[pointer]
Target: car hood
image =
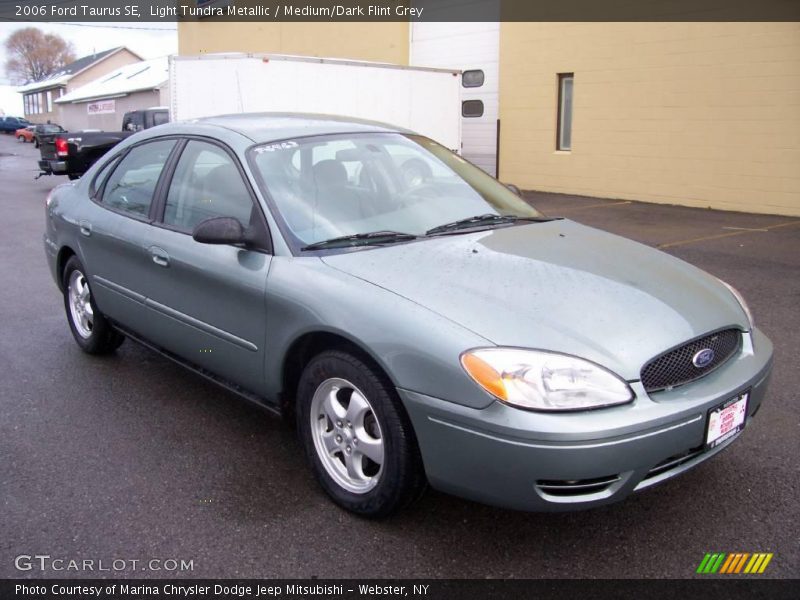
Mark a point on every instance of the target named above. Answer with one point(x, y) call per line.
point(557, 286)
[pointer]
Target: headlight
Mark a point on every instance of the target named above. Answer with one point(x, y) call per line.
point(544, 380)
point(742, 303)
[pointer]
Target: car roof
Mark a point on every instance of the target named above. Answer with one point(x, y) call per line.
point(266, 127)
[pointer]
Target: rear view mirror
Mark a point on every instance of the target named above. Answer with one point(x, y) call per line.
point(220, 230)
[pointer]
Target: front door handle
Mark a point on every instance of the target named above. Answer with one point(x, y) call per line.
point(160, 257)
point(86, 228)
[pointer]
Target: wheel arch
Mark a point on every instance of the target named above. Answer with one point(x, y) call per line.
point(64, 254)
point(310, 344)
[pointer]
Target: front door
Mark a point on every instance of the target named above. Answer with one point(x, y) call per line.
point(207, 302)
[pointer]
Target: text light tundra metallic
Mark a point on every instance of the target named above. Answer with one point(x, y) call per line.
point(422, 321)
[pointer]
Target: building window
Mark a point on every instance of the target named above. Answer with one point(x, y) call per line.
point(49, 101)
point(473, 78)
point(472, 108)
point(565, 85)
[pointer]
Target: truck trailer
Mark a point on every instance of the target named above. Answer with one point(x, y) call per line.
point(425, 100)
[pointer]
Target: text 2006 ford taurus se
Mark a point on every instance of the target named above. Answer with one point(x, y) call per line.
point(422, 321)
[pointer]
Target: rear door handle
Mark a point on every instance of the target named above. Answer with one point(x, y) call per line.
point(160, 257)
point(86, 228)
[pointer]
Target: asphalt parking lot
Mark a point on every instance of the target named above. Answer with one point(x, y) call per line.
point(132, 457)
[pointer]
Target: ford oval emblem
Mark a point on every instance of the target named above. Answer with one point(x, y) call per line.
point(703, 358)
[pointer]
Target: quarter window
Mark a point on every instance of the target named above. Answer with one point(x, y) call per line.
point(206, 184)
point(564, 139)
point(97, 184)
point(131, 186)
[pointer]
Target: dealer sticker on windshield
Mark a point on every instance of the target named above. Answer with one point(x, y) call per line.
point(726, 420)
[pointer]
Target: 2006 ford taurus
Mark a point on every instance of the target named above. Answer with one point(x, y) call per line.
point(423, 322)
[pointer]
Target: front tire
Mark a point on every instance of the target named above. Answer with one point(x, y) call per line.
point(91, 330)
point(357, 437)
point(21, 138)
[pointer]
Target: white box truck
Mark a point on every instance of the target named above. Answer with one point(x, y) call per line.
point(425, 100)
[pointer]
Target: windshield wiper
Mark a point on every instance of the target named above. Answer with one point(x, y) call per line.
point(362, 239)
point(481, 221)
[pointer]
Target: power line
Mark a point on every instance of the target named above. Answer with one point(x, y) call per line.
point(115, 26)
point(33, 23)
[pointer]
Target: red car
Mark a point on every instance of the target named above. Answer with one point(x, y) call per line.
point(24, 134)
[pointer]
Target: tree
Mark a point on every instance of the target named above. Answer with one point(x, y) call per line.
point(34, 55)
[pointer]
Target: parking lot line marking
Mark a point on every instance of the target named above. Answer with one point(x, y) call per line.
point(601, 205)
point(725, 235)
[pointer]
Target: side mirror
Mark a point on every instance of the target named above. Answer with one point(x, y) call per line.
point(514, 189)
point(220, 230)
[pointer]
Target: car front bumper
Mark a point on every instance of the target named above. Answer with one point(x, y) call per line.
point(565, 461)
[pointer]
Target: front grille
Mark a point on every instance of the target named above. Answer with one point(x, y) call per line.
point(675, 367)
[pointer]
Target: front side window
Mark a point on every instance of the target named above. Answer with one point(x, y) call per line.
point(206, 184)
point(347, 184)
point(131, 186)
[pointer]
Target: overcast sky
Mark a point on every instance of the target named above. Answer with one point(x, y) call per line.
point(149, 40)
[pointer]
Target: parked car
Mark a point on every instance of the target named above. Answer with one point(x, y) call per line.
point(434, 329)
point(72, 153)
point(43, 129)
point(24, 134)
point(11, 124)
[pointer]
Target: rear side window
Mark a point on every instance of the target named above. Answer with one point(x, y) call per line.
point(206, 184)
point(97, 184)
point(131, 186)
point(160, 118)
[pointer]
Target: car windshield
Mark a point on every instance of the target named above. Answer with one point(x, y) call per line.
point(331, 186)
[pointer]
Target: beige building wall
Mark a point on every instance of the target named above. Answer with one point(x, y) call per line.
point(381, 42)
point(699, 114)
point(75, 116)
point(105, 66)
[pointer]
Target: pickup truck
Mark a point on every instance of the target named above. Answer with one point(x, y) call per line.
point(72, 153)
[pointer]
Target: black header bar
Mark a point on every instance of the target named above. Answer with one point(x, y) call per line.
point(397, 10)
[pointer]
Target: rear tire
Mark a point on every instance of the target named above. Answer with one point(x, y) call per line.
point(357, 436)
point(91, 330)
point(21, 138)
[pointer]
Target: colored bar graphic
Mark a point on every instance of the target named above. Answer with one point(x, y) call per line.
point(732, 559)
point(715, 567)
point(703, 563)
point(733, 563)
point(764, 564)
point(741, 562)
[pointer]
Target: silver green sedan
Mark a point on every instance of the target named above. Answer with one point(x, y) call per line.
point(421, 321)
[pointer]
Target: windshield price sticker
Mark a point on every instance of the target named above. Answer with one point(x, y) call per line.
point(276, 146)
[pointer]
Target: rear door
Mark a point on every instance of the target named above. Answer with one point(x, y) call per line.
point(206, 303)
point(115, 229)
